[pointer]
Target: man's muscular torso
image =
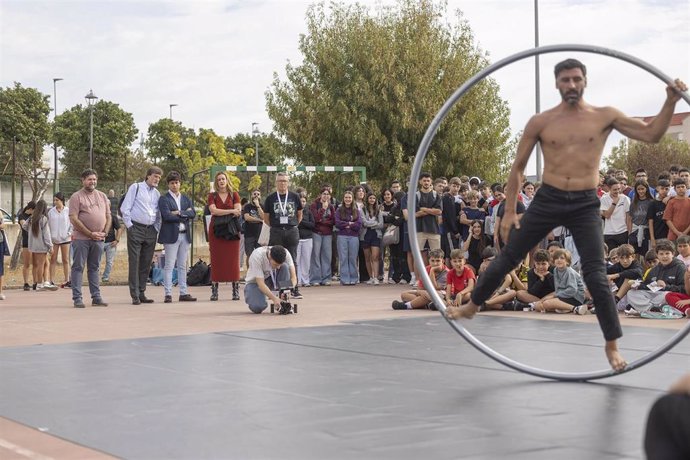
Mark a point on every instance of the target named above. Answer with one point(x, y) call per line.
point(572, 140)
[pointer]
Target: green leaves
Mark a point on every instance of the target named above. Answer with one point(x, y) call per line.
point(370, 84)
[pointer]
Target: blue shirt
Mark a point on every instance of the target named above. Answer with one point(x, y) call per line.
point(141, 206)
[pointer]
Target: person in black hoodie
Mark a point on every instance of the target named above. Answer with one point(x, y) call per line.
point(667, 276)
point(626, 269)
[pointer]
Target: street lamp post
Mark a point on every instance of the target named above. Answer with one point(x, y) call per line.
point(171, 106)
point(55, 155)
point(255, 133)
point(90, 100)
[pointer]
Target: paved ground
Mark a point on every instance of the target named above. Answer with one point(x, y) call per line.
point(347, 377)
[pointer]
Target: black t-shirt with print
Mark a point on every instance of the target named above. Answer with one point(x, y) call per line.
point(251, 229)
point(273, 208)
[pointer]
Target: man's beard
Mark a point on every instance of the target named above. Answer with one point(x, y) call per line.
point(572, 96)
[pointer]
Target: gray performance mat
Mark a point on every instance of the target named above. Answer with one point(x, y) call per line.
point(405, 388)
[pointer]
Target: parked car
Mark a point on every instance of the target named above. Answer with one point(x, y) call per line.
point(6, 217)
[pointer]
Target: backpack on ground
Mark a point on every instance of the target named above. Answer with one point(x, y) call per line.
point(199, 274)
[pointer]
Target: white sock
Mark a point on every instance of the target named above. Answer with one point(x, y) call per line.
point(408, 305)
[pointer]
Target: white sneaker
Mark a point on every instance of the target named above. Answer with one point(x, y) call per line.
point(581, 310)
point(371, 281)
point(413, 281)
point(2, 296)
point(376, 282)
point(48, 286)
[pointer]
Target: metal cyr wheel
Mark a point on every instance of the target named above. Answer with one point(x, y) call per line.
point(412, 203)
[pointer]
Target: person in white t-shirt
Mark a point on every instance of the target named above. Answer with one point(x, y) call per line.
point(271, 269)
point(614, 209)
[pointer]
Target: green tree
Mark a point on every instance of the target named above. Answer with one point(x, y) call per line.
point(24, 118)
point(113, 133)
point(165, 139)
point(270, 148)
point(654, 158)
point(370, 84)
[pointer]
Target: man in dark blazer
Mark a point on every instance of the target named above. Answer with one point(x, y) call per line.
point(177, 214)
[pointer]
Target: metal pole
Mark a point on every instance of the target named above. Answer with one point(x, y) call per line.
point(257, 153)
point(14, 175)
point(55, 154)
point(536, 82)
point(171, 106)
point(91, 141)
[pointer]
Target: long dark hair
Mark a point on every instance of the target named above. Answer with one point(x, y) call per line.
point(482, 241)
point(36, 217)
point(636, 197)
point(353, 208)
point(372, 212)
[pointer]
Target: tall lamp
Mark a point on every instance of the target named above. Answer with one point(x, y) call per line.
point(90, 101)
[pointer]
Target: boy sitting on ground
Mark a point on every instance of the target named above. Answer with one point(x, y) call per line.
point(420, 298)
point(667, 276)
point(539, 281)
point(569, 294)
point(461, 279)
point(627, 268)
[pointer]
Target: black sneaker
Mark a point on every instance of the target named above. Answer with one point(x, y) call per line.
point(27, 287)
point(136, 301)
point(168, 299)
point(431, 306)
point(398, 305)
point(296, 294)
point(98, 303)
point(79, 304)
point(34, 286)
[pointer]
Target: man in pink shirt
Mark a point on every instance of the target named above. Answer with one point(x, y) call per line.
point(89, 212)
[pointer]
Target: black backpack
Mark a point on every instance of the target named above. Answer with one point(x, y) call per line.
point(199, 274)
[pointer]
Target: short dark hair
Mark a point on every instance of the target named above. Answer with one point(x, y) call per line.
point(612, 181)
point(569, 64)
point(674, 168)
point(278, 254)
point(424, 175)
point(173, 176)
point(88, 172)
point(60, 196)
point(542, 255)
point(665, 245)
point(663, 183)
point(679, 182)
point(640, 170)
point(682, 170)
point(555, 243)
point(489, 252)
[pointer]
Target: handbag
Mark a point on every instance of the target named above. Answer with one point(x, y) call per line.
point(391, 236)
point(226, 227)
point(265, 235)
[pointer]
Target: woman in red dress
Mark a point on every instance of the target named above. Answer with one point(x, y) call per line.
point(225, 254)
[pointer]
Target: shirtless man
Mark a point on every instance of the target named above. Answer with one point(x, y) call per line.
point(572, 136)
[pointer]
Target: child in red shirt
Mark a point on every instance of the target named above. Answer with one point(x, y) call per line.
point(460, 279)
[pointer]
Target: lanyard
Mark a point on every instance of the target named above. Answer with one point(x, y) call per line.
point(283, 207)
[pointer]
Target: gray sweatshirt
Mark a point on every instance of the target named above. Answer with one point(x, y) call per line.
point(375, 222)
point(41, 243)
point(568, 283)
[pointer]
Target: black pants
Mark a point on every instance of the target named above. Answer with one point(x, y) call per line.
point(577, 211)
point(141, 243)
point(667, 436)
point(288, 237)
point(613, 241)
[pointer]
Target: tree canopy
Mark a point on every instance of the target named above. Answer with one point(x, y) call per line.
point(113, 133)
point(370, 84)
point(654, 158)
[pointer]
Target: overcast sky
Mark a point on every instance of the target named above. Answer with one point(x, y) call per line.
point(216, 59)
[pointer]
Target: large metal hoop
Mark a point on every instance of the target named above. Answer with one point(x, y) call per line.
point(412, 203)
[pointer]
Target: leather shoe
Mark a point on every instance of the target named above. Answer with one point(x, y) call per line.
point(136, 301)
point(145, 299)
point(187, 298)
point(168, 299)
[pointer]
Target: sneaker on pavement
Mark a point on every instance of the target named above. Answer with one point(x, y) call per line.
point(370, 281)
point(326, 283)
point(79, 304)
point(413, 281)
point(27, 287)
point(167, 299)
point(48, 286)
point(186, 298)
point(98, 303)
point(398, 305)
point(2, 296)
point(376, 282)
point(296, 294)
point(582, 310)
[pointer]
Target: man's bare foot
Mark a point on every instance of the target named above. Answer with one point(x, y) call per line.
point(467, 311)
point(615, 359)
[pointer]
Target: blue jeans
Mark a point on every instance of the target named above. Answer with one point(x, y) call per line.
point(579, 212)
point(110, 252)
point(256, 300)
point(348, 247)
point(176, 257)
point(321, 256)
point(86, 252)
